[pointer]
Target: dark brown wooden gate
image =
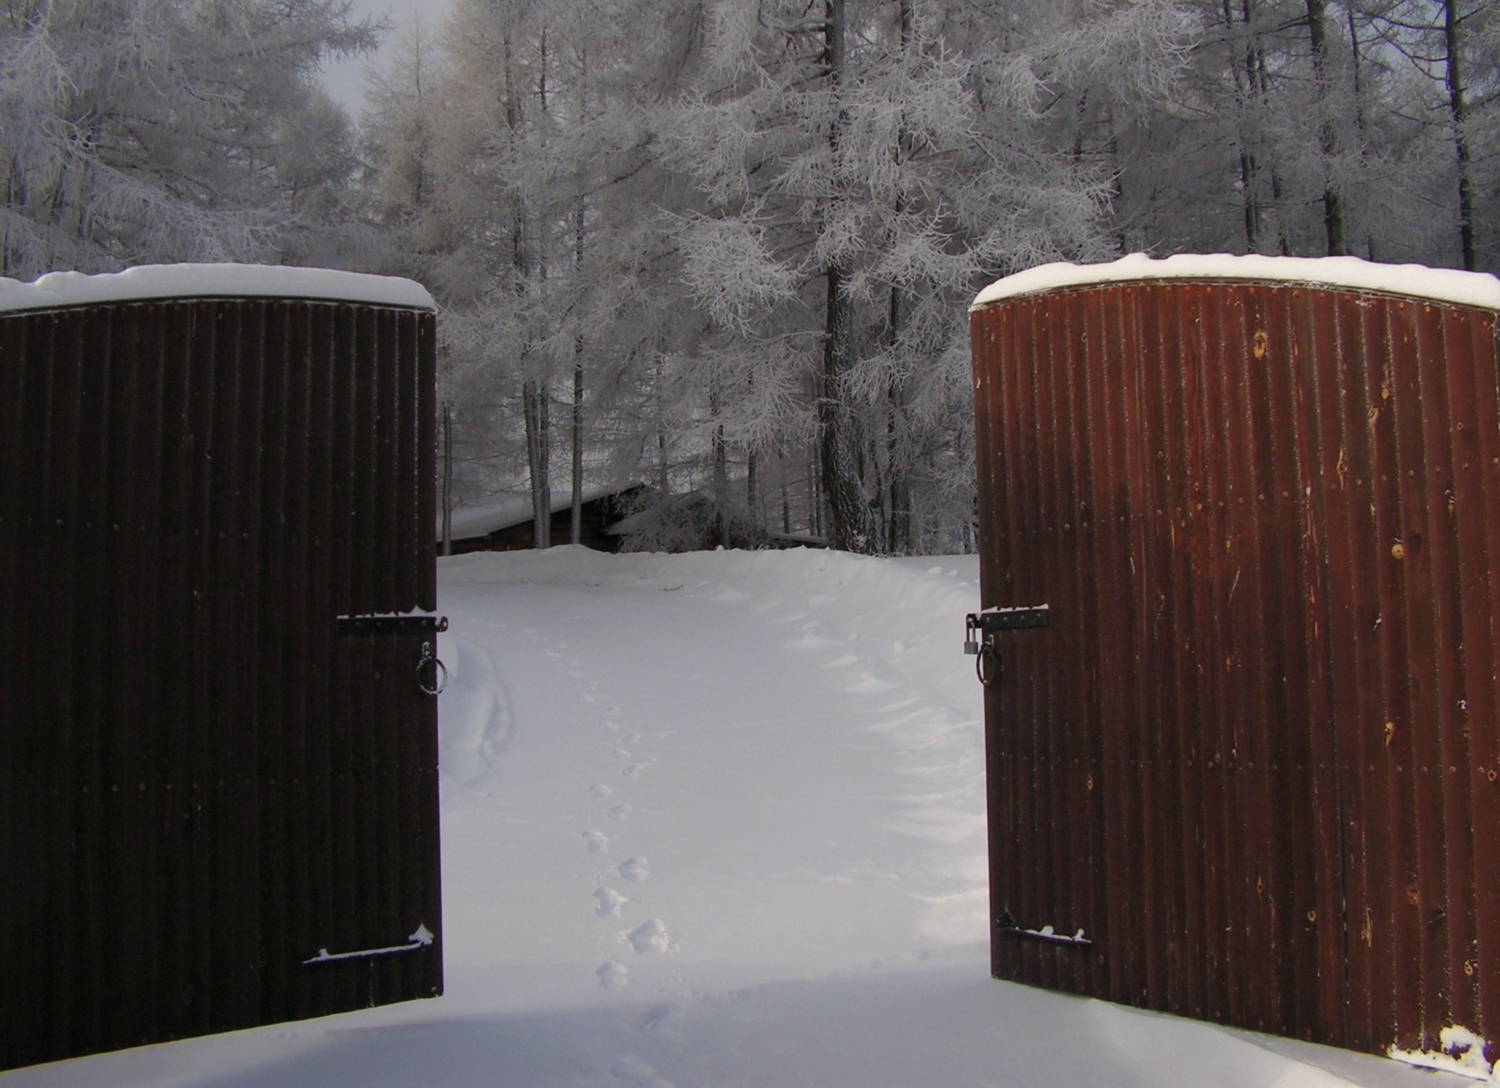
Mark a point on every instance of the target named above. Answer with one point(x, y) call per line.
point(1249, 773)
point(218, 802)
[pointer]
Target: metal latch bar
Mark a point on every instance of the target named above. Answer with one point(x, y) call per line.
point(1011, 928)
point(979, 635)
point(390, 625)
point(422, 938)
point(1012, 619)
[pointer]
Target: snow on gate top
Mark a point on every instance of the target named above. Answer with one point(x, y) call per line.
point(57, 290)
point(1445, 285)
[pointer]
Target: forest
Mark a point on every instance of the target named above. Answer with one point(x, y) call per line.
point(725, 248)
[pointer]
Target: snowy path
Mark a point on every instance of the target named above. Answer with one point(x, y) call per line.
point(714, 777)
point(717, 819)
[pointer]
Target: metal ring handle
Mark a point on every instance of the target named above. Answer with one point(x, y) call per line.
point(439, 671)
point(987, 664)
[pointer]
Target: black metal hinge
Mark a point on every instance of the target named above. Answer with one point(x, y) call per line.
point(979, 635)
point(1011, 619)
point(410, 624)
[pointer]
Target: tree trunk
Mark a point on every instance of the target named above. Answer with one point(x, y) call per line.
point(898, 497)
point(534, 409)
point(843, 459)
point(1244, 85)
point(575, 534)
point(752, 487)
point(1262, 81)
point(1333, 200)
point(721, 488)
point(1357, 69)
point(786, 502)
point(580, 221)
point(898, 484)
point(814, 490)
point(661, 428)
point(1458, 110)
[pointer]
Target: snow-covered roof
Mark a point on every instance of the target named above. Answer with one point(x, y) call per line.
point(511, 510)
point(1350, 273)
point(56, 290)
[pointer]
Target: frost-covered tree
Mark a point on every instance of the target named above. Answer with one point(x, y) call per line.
point(150, 130)
point(861, 166)
point(726, 246)
point(513, 163)
point(1320, 126)
point(1453, 44)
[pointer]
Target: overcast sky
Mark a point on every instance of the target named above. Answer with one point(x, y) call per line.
point(346, 79)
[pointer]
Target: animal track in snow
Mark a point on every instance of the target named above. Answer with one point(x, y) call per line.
point(613, 975)
point(650, 936)
point(599, 790)
point(596, 841)
point(607, 902)
point(633, 771)
point(635, 870)
point(666, 1023)
point(619, 812)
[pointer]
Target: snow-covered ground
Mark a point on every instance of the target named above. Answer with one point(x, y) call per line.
point(718, 819)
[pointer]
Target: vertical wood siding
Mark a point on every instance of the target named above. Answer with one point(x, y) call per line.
point(1255, 756)
point(201, 783)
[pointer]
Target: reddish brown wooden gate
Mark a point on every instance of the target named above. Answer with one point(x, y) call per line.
point(1249, 773)
point(218, 800)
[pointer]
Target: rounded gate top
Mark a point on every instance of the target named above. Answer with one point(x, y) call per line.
point(185, 282)
point(1445, 285)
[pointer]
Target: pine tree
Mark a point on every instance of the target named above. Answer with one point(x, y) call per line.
point(158, 130)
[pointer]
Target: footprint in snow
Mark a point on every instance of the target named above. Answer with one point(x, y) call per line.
point(649, 937)
point(599, 790)
point(596, 841)
point(633, 771)
point(613, 975)
point(635, 870)
point(666, 1023)
point(619, 812)
point(607, 902)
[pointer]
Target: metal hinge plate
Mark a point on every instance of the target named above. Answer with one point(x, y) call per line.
point(409, 624)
